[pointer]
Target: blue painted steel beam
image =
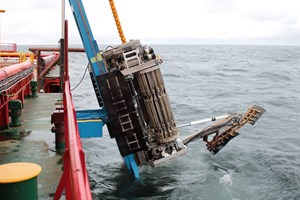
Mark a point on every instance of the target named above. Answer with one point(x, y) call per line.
point(131, 165)
point(91, 122)
point(91, 114)
point(89, 43)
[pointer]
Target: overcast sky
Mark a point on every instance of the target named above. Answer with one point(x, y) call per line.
point(158, 21)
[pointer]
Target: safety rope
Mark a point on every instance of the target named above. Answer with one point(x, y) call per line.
point(117, 20)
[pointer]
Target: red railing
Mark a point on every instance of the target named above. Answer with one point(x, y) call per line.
point(74, 179)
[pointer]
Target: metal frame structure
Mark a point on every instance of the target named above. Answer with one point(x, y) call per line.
point(96, 64)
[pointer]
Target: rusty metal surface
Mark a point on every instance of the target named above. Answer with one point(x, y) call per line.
point(48, 68)
point(221, 139)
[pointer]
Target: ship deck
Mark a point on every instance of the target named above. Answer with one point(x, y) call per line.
point(34, 142)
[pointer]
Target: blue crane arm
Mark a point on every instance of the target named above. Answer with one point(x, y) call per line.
point(96, 66)
point(86, 34)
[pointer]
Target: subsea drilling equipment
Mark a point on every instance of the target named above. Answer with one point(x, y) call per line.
point(139, 113)
point(135, 106)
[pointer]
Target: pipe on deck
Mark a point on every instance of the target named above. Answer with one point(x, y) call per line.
point(33, 49)
point(46, 60)
point(13, 69)
point(48, 68)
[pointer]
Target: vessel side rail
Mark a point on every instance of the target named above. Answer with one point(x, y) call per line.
point(74, 179)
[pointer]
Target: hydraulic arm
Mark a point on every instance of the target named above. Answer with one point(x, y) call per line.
point(226, 129)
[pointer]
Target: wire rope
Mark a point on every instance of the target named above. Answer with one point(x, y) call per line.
point(81, 78)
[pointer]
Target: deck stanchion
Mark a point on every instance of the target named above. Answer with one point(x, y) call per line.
point(15, 107)
point(18, 181)
point(33, 85)
point(57, 119)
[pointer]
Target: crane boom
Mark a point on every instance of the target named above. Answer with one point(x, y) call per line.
point(96, 66)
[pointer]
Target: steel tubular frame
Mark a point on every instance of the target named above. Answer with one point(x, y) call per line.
point(74, 179)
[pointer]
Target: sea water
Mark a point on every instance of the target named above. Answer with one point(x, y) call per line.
point(205, 81)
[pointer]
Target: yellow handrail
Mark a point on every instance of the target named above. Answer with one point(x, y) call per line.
point(22, 56)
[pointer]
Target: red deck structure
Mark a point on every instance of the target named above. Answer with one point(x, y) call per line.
point(14, 84)
point(74, 180)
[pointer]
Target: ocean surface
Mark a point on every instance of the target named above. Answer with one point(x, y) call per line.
point(262, 163)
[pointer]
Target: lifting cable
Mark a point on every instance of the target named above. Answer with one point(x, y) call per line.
point(117, 20)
